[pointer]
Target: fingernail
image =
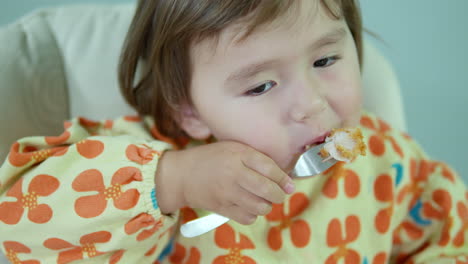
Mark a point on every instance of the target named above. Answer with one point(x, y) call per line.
point(289, 188)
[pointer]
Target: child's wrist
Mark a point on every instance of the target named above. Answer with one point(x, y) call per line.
point(168, 189)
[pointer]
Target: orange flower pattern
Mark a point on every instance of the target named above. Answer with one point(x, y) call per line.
point(441, 211)
point(21, 157)
point(40, 186)
point(336, 239)
point(86, 248)
point(141, 155)
point(380, 258)
point(89, 193)
point(12, 249)
point(419, 173)
point(90, 149)
point(141, 221)
point(382, 134)
point(225, 238)
point(410, 229)
point(92, 180)
point(462, 210)
point(177, 143)
point(383, 191)
point(116, 257)
point(299, 228)
point(181, 256)
point(187, 214)
point(351, 180)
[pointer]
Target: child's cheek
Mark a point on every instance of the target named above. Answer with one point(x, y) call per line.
point(344, 96)
point(328, 75)
point(350, 105)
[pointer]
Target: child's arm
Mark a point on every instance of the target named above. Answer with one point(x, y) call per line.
point(79, 196)
point(435, 202)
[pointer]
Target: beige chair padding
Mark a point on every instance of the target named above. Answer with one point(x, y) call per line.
point(58, 63)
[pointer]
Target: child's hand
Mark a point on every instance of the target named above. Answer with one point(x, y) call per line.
point(228, 178)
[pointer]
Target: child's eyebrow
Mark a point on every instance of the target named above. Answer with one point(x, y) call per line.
point(330, 37)
point(250, 70)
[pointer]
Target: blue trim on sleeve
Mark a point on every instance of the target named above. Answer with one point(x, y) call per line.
point(153, 199)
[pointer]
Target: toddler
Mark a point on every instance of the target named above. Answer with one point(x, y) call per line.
point(229, 94)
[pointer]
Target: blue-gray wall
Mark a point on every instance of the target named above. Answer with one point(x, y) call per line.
point(426, 42)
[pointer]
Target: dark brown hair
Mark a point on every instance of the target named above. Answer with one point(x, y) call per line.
point(161, 34)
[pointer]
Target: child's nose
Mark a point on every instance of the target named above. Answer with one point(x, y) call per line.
point(305, 111)
point(309, 102)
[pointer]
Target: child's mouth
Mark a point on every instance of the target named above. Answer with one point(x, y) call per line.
point(317, 141)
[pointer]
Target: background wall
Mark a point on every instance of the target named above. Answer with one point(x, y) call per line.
point(426, 41)
point(12, 9)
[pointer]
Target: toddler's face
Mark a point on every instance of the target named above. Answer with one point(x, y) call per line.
point(280, 89)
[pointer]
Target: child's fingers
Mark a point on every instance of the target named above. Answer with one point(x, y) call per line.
point(238, 214)
point(252, 203)
point(268, 168)
point(261, 186)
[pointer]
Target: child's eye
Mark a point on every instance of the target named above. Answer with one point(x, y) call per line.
point(325, 62)
point(261, 89)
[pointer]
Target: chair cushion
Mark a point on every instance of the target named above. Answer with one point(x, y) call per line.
point(90, 38)
point(33, 90)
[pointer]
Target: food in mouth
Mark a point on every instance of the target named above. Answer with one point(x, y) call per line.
point(344, 144)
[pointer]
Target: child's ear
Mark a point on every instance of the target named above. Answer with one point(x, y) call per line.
point(190, 121)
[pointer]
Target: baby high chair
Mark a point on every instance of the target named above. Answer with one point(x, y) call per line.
point(58, 63)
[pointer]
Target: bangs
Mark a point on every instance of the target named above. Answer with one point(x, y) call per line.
point(266, 13)
point(249, 14)
point(252, 15)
